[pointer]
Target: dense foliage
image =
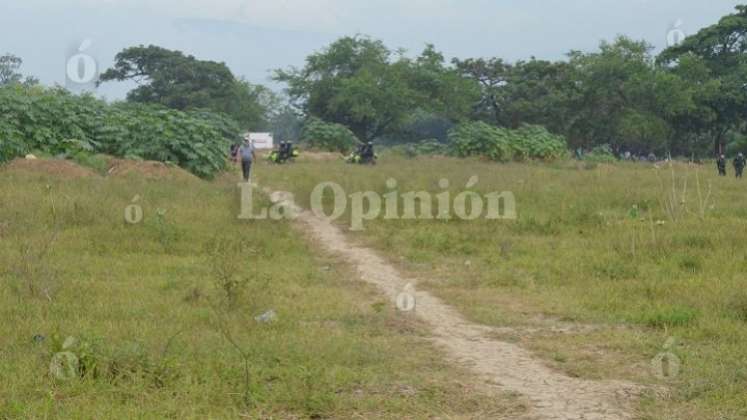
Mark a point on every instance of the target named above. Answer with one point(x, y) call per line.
point(688, 101)
point(318, 134)
point(600, 154)
point(55, 122)
point(183, 82)
point(360, 83)
point(713, 62)
point(503, 145)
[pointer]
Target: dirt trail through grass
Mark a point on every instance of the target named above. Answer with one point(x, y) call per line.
point(503, 366)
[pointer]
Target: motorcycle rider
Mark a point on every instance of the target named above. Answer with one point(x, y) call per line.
point(367, 153)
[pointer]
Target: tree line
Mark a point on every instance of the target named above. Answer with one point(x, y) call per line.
point(689, 100)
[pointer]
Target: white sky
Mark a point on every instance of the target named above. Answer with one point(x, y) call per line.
point(255, 36)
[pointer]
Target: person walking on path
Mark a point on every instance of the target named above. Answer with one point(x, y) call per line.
point(246, 155)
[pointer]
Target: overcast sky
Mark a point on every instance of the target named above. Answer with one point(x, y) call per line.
point(255, 36)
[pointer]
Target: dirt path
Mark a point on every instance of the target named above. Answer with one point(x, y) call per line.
point(550, 394)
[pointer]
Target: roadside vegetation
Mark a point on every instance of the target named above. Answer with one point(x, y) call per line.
point(53, 122)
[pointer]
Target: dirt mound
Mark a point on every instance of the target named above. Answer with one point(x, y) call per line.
point(57, 168)
point(148, 169)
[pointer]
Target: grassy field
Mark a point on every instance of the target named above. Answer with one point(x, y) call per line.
point(629, 260)
point(161, 313)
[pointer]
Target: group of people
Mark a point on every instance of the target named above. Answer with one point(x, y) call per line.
point(739, 163)
point(245, 154)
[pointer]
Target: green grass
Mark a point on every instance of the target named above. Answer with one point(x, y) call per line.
point(601, 244)
point(163, 314)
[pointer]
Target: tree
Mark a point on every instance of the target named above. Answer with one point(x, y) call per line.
point(714, 59)
point(492, 76)
point(286, 124)
point(605, 97)
point(255, 105)
point(443, 98)
point(615, 96)
point(527, 92)
point(359, 83)
point(444, 92)
point(9, 66)
point(183, 82)
point(539, 92)
point(353, 82)
point(722, 45)
point(624, 100)
point(328, 136)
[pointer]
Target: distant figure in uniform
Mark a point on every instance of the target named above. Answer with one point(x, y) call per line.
point(739, 164)
point(368, 152)
point(283, 151)
point(246, 155)
point(721, 164)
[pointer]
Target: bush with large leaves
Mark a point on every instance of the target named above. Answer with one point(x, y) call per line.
point(503, 145)
point(56, 122)
point(328, 136)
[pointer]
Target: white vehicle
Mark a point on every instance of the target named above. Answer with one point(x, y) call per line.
point(262, 141)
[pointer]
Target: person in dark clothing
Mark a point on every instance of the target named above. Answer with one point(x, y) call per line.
point(285, 151)
point(246, 155)
point(739, 163)
point(367, 153)
point(721, 165)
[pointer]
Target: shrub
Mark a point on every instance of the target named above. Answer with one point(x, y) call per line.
point(600, 154)
point(328, 136)
point(55, 122)
point(503, 145)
